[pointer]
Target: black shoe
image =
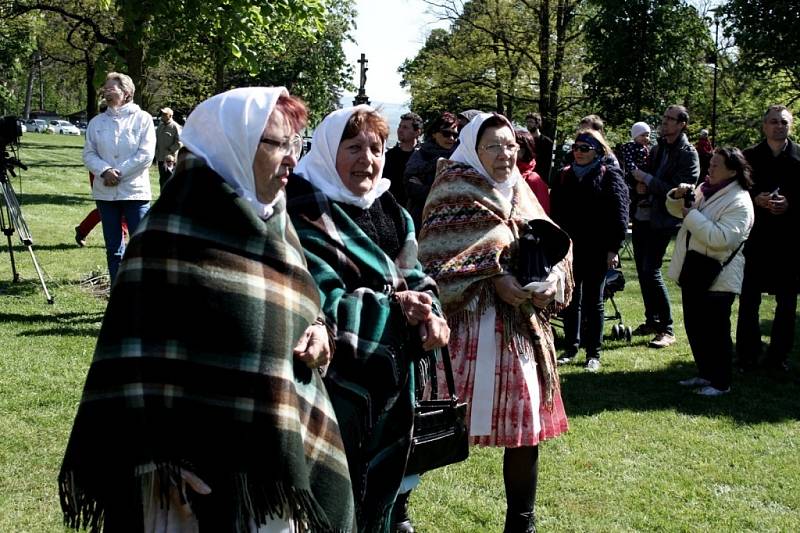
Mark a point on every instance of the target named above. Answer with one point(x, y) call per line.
point(400, 520)
point(80, 240)
point(520, 522)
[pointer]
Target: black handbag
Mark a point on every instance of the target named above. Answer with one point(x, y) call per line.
point(542, 245)
point(440, 434)
point(699, 271)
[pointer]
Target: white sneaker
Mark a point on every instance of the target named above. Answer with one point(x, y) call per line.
point(592, 365)
point(694, 382)
point(708, 390)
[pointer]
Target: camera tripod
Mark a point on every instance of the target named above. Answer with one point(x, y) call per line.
point(11, 219)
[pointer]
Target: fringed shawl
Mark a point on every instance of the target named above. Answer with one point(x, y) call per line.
point(369, 379)
point(469, 235)
point(194, 369)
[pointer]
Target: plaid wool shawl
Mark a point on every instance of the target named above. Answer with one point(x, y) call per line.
point(370, 379)
point(469, 235)
point(194, 369)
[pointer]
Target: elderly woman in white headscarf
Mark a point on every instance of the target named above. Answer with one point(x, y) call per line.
point(502, 348)
point(203, 407)
point(361, 250)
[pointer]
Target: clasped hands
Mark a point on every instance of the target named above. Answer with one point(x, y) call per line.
point(418, 310)
point(775, 203)
point(111, 177)
point(511, 292)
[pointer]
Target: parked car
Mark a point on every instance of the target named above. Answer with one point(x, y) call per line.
point(36, 124)
point(64, 128)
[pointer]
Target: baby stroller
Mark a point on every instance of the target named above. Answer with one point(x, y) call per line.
point(615, 282)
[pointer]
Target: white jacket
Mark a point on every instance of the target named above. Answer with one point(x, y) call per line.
point(123, 139)
point(717, 226)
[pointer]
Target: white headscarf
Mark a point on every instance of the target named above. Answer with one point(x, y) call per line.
point(319, 166)
point(467, 153)
point(225, 131)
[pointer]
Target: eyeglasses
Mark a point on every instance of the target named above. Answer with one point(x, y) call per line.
point(496, 149)
point(581, 148)
point(449, 134)
point(293, 146)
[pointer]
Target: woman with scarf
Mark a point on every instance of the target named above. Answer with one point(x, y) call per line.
point(441, 136)
point(361, 250)
point(716, 225)
point(120, 146)
point(589, 200)
point(203, 408)
point(502, 348)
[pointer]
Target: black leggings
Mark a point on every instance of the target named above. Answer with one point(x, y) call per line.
point(520, 471)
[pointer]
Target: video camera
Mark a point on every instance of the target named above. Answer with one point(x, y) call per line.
point(10, 131)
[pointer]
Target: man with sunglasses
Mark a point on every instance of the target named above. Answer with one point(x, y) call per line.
point(673, 161)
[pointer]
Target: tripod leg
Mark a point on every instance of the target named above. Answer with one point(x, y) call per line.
point(14, 273)
point(47, 294)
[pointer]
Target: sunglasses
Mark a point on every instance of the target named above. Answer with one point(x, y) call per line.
point(581, 148)
point(449, 134)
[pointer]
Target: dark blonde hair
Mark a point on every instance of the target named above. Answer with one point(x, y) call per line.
point(369, 121)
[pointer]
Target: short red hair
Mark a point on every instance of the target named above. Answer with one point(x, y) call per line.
point(294, 110)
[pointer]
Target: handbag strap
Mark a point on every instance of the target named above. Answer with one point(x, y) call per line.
point(689, 236)
point(444, 353)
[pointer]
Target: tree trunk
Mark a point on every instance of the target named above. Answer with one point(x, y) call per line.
point(29, 88)
point(548, 118)
point(91, 93)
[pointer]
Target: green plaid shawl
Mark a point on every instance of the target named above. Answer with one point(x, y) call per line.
point(370, 379)
point(194, 368)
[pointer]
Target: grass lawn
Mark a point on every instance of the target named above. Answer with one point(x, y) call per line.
point(642, 453)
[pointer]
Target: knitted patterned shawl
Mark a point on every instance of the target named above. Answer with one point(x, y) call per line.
point(468, 236)
point(194, 369)
point(369, 379)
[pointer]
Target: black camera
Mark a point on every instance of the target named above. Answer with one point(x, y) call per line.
point(689, 198)
point(10, 131)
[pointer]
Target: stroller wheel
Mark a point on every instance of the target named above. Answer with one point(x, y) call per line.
point(628, 333)
point(615, 332)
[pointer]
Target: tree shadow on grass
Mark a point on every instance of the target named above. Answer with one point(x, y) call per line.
point(54, 199)
point(753, 399)
point(68, 323)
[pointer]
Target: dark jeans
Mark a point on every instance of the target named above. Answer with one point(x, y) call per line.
point(111, 214)
point(586, 307)
point(748, 327)
point(707, 319)
point(649, 247)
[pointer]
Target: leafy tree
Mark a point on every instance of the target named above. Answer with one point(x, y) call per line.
point(646, 55)
point(506, 55)
point(766, 33)
point(15, 44)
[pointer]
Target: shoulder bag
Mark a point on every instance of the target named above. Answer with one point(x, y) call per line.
point(699, 271)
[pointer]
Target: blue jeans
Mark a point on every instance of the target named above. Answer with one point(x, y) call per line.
point(649, 247)
point(111, 213)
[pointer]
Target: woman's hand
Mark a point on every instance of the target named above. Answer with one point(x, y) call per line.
point(509, 290)
point(111, 177)
point(314, 347)
point(416, 305)
point(778, 204)
point(434, 332)
point(544, 298)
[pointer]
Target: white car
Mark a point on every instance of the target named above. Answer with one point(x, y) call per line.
point(36, 124)
point(64, 128)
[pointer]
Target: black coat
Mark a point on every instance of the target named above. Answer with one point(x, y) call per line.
point(592, 210)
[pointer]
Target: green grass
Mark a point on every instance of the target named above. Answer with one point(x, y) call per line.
point(642, 454)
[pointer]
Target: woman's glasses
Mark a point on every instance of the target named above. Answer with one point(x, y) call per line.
point(497, 149)
point(293, 146)
point(581, 148)
point(449, 134)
